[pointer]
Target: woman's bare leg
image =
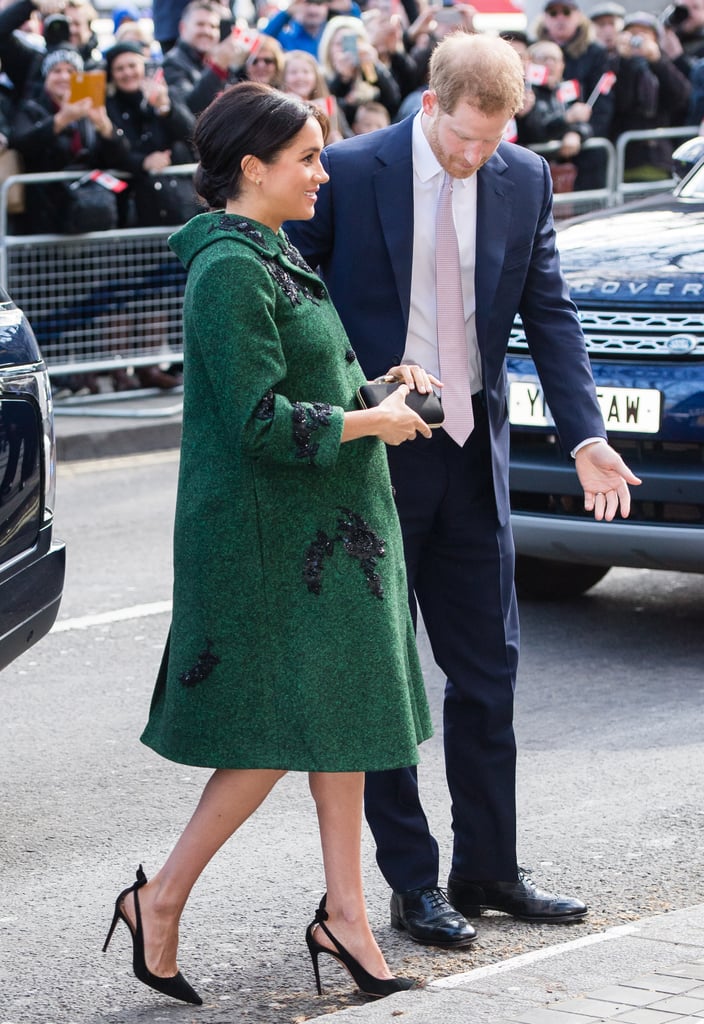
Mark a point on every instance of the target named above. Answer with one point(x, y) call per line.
point(338, 797)
point(229, 798)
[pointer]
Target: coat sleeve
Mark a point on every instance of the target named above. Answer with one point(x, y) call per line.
point(233, 305)
point(555, 337)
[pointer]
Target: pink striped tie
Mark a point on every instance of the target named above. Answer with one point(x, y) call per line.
point(452, 336)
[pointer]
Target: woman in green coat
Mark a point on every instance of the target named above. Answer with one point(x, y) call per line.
point(291, 646)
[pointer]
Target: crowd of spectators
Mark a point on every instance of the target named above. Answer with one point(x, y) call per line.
point(592, 72)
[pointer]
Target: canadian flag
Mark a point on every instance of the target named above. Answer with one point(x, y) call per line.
point(511, 131)
point(536, 74)
point(602, 87)
point(247, 37)
point(108, 181)
point(569, 91)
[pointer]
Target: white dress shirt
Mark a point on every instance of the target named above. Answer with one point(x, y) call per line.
point(422, 338)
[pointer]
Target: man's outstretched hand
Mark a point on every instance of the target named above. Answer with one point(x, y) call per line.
point(605, 478)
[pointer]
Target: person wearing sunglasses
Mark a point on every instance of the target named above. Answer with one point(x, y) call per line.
point(564, 23)
point(266, 64)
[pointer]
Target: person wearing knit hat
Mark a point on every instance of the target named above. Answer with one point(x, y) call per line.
point(123, 14)
point(128, 46)
point(62, 55)
point(52, 133)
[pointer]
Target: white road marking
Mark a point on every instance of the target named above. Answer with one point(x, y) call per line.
point(136, 611)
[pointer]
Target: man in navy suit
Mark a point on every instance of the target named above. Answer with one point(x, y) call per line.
point(373, 238)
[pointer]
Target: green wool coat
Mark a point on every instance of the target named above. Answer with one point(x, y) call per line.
point(291, 645)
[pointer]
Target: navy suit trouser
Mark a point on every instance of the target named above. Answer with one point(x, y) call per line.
point(460, 564)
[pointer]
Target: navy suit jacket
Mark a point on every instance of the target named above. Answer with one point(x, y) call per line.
point(361, 239)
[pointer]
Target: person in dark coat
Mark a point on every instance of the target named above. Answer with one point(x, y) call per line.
point(157, 132)
point(374, 240)
point(53, 134)
point(642, 54)
point(564, 23)
point(201, 64)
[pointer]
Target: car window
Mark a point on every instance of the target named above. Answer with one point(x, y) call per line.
point(20, 476)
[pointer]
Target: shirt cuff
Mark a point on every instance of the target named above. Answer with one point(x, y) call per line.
point(583, 444)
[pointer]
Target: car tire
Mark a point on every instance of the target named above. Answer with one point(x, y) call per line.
point(548, 580)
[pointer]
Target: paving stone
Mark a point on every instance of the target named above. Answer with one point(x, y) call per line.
point(646, 1015)
point(695, 969)
point(555, 1016)
point(626, 994)
point(663, 983)
point(593, 1008)
point(680, 1004)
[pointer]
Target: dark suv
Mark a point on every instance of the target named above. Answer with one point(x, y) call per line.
point(636, 275)
point(31, 562)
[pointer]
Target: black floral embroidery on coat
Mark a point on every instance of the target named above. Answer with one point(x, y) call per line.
point(359, 541)
point(203, 667)
point(362, 543)
point(306, 419)
point(226, 222)
point(294, 289)
point(320, 549)
point(265, 409)
point(293, 256)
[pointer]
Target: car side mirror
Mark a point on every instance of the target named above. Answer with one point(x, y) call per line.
point(686, 156)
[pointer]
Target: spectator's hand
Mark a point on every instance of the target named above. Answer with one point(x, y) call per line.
point(468, 12)
point(644, 46)
point(571, 144)
point(421, 26)
point(528, 103)
point(367, 53)
point(156, 92)
point(296, 10)
point(229, 53)
point(48, 7)
point(578, 113)
point(671, 44)
point(605, 478)
point(157, 160)
point(99, 117)
point(398, 423)
point(70, 112)
point(345, 65)
point(386, 35)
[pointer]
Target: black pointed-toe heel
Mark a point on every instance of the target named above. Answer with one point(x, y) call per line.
point(177, 987)
point(366, 982)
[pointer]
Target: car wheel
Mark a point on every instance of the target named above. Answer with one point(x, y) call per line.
point(548, 580)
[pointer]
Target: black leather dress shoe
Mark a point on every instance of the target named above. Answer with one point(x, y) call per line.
point(521, 899)
point(428, 918)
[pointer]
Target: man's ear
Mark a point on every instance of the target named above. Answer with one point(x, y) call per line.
point(429, 102)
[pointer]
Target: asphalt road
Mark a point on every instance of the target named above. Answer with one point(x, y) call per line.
point(610, 723)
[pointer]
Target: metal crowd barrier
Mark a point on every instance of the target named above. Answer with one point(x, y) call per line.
point(626, 190)
point(111, 299)
point(571, 204)
point(96, 301)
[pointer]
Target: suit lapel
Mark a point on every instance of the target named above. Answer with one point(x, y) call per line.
point(495, 197)
point(393, 188)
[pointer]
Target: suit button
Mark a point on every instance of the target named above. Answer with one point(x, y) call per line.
point(350, 355)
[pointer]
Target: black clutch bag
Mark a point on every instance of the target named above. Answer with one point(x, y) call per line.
point(428, 406)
